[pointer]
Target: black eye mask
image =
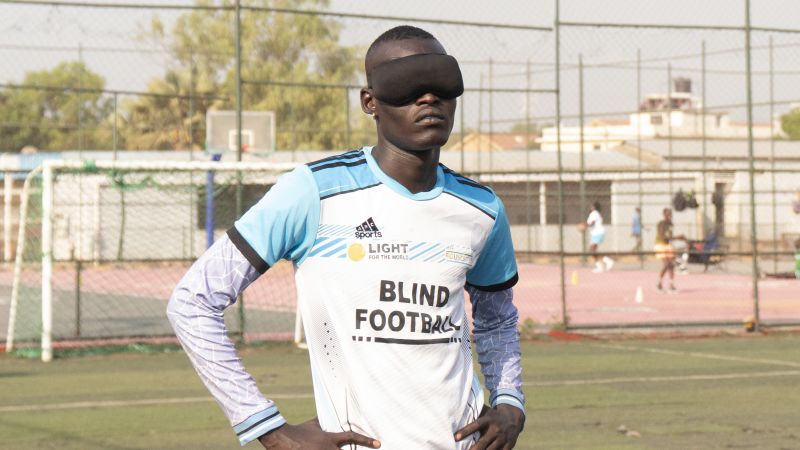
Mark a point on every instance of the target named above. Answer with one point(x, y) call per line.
point(401, 81)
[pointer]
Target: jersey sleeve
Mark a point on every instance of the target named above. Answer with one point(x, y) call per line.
point(497, 344)
point(496, 268)
point(592, 219)
point(283, 224)
point(196, 313)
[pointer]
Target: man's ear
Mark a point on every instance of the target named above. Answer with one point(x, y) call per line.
point(368, 102)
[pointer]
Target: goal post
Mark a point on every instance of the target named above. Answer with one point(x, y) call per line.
point(117, 236)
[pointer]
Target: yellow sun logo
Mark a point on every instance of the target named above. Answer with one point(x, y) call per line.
point(356, 252)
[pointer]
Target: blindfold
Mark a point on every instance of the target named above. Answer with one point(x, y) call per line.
point(402, 81)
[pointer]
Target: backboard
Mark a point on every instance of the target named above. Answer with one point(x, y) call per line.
point(258, 132)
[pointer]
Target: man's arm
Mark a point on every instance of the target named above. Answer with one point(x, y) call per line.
point(195, 311)
point(495, 321)
point(497, 341)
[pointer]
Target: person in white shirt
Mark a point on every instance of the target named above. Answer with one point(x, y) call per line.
point(597, 233)
point(385, 241)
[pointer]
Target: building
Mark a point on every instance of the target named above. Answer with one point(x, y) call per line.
point(677, 115)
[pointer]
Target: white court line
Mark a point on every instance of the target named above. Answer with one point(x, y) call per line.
point(123, 403)
point(775, 362)
point(721, 376)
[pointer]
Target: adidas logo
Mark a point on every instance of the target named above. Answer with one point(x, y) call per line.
point(368, 229)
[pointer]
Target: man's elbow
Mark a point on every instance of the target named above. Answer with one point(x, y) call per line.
point(173, 309)
point(505, 323)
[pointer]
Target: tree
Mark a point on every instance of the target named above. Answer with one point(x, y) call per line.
point(56, 109)
point(172, 117)
point(532, 129)
point(790, 123)
point(277, 48)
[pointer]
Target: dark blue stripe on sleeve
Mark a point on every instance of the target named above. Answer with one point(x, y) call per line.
point(252, 256)
point(500, 286)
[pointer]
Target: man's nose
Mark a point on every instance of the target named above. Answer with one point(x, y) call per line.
point(428, 97)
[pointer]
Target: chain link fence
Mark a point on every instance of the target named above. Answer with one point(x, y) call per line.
point(647, 105)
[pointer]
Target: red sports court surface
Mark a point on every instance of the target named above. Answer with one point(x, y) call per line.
point(610, 298)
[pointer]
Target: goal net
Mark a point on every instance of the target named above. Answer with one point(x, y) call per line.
point(102, 245)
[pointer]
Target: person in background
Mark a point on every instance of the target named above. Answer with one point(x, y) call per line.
point(797, 258)
point(597, 233)
point(665, 251)
point(636, 231)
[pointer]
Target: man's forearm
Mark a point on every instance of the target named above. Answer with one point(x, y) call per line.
point(497, 343)
point(195, 311)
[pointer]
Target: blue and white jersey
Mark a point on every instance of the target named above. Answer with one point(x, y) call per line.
point(380, 276)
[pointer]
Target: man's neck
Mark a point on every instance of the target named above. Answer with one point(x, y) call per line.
point(415, 170)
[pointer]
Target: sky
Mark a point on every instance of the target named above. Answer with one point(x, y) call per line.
point(35, 37)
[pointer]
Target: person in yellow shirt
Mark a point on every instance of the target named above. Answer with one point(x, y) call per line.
point(797, 258)
point(664, 250)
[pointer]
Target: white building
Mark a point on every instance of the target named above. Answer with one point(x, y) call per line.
point(678, 114)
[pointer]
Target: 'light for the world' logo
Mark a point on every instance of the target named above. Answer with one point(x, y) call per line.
point(356, 252)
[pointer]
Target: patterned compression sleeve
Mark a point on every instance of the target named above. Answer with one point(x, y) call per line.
point(195, 311)
point(497, 342)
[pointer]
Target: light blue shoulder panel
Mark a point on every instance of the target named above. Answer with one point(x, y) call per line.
point(343, 173)
point(283, 224)
point(496, 268)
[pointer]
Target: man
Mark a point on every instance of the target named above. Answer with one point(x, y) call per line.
point(384, 241)
point(664, 250)
point(797, 258)
point(597, 234)
point(636, 231)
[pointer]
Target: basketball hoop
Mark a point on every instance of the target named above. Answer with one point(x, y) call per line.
point(257, 132)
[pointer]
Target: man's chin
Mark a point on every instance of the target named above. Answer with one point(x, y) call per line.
point(431, 141)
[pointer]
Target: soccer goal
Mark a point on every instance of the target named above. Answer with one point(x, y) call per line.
point(103, 243)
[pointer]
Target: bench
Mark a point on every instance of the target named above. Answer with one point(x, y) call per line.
point(709, 251)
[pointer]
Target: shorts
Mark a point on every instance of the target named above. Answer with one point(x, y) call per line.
point(597, 238)
point(664, 251)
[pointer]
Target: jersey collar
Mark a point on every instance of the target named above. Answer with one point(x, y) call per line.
point(399, 188)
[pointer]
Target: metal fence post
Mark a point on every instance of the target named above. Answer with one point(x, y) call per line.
point(751, 166)
point(582, 194)
point(347, 116)
point(564, 315)
point(703, 138)
point(775, 247)
point(640, 246)
point(115, 130)
point(669, 126)
point(78, 286)
point(238, 210)
point(528, 193)
point(491, 114)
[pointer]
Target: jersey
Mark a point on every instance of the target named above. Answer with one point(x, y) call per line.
point(797, 262)
point(636, 225)
point(595, 222)
point(380, 275)
point(664, 232)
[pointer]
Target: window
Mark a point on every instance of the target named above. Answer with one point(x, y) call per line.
point(521, 200)
point(595, 191)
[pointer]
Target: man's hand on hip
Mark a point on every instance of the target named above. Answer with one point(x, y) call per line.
point(309, 435)
point(499, 427)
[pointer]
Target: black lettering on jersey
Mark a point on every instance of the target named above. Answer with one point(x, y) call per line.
point(387, 291)
point(415, 293)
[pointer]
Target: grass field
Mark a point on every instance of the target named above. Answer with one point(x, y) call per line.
point(691, 393)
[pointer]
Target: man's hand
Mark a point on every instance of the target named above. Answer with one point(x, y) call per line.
point(309, 435)
point(499, 427)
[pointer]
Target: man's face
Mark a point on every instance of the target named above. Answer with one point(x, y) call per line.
point(423, 124)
